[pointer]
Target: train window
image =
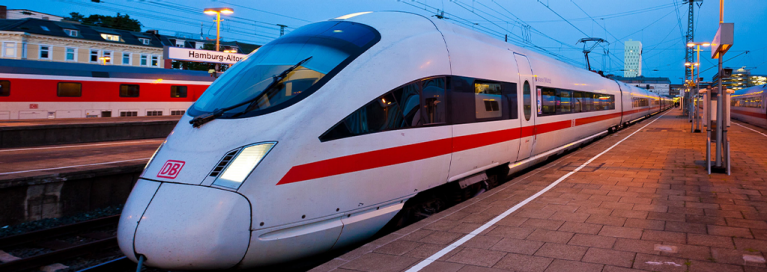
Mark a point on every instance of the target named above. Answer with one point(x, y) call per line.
point(177, 91)
point(597, 103)
point(487, 100)
point(177, 112)
point(69, 89)
point(509, 90)
point(565, 101)
point(394, 110)
point(154, 113)
point(5, 88)
point(128, 90)
point(433, 93)
point(526, 103)
point(548, 98)
point(128, 113)
point(578, 102)
point(587, 99)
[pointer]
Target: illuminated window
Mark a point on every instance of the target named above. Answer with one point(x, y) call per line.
point(155, 61)
point(110, 37)
point(145, 41)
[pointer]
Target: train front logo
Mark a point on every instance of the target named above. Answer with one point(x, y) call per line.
point(171, 169)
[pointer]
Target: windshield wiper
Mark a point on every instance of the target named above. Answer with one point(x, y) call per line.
point(204, 118)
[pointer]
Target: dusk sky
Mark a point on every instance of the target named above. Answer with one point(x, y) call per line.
point(656, 23)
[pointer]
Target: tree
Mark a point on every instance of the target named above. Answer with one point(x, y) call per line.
point(123, 22)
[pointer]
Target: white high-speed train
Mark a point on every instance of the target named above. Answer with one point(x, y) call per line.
point(748, 105)
point(318, 139)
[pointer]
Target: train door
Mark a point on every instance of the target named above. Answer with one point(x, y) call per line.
point(527, 97)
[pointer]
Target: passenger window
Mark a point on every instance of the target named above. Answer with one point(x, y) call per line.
point(69, 89)
point(587, 101)
point(177, 91)
point(394, 110)
point(509, 90)
point(565, 104)
point(127, 90)
point(577, 102)
point(548, 98)
point(487, 100)
point(597, 102)
point(526, 107)
point(5, 88)
point(434, 101)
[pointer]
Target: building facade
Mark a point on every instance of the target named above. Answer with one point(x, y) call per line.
point(63, 41)
point(632, 59)
point(44, 40)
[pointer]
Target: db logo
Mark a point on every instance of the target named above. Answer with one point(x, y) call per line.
point(171, 169)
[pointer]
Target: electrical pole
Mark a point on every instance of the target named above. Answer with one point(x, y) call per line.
point(690, 37)
point(282, 29)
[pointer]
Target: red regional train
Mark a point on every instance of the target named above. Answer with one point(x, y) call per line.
point(48, 90)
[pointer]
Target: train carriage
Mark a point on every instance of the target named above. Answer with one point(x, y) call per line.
point(748, 105)
point(47, 90)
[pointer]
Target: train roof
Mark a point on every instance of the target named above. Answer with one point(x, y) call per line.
point(750, 90)
point(33, 67)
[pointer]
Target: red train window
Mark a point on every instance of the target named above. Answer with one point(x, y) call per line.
point(69, 89)
point(5, 88)
point(177, 91)
point(127, 90)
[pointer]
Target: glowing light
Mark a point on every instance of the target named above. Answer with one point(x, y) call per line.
point(352, 15)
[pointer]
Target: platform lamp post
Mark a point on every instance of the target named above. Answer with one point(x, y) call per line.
point(722, 43)
point(690, 102)
point(218, 12)
point(104, 60)
point(697, 78)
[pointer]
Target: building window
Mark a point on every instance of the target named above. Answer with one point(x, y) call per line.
point(155, 61)
point(144, 60)
point(129, 90)
point(9, 49)
point(107, 55)
point(177, 91)
point(126, 58)
point(71, 32)
point(45, 52)
point(94, 55)
point(144, 41)
point(71, 54)
point(70, 89)
point(110, 37)
point(45, 28)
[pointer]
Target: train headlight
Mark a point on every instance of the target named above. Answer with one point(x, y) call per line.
point(244, 163)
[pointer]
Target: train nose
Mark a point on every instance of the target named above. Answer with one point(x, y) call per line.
point(178, 226)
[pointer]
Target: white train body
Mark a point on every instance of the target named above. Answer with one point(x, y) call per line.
point(318, 189)
point(748, 105)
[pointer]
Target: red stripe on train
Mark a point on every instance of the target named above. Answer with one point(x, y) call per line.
point(419, 151)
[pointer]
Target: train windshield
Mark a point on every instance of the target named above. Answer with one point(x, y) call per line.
point(331, 46)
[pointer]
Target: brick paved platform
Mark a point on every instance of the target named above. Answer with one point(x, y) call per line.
point(650, 206)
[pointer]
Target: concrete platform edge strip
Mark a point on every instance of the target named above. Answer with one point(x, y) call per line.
point(71, 166)
point(500, 217)
point(751, 129)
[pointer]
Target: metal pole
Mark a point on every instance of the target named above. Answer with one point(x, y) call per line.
point(719, 117)
point(218, 28)
point(697, 93)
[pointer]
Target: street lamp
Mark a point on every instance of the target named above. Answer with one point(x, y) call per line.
point(218, 12)
point(105, 59)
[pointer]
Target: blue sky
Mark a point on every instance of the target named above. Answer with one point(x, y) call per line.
point(655, 23)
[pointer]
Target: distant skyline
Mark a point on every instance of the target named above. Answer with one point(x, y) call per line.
point(655, 23)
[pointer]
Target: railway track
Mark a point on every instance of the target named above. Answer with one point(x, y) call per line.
point(57, 244)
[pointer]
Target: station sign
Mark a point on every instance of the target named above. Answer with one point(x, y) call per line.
point(199, 55)
point(723, 40)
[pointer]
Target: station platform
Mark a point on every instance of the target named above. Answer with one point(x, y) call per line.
point(54, 181)
point(639, 199)
point(41, 132)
